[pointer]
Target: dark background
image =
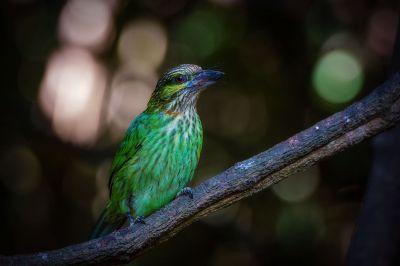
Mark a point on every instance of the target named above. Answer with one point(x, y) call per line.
point(74, 73)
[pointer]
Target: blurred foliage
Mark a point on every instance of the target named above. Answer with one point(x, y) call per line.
point(74, 73)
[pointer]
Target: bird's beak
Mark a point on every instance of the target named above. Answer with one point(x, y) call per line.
point(206, 77)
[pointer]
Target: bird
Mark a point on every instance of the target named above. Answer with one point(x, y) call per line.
point(160, 151)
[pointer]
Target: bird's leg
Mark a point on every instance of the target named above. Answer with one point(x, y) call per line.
point(131, 219)
point(186, 191)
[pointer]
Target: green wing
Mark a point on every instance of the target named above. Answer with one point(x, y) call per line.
point(131, 144)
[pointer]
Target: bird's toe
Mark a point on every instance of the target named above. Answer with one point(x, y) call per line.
point(187, 191)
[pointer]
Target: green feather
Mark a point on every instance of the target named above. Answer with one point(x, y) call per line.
point(160, 151)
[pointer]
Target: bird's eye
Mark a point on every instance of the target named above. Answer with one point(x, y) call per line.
point(180, 79)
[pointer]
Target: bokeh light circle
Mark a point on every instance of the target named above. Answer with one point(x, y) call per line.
point(298, 187)
point(71, 94)
point(143, 42)
point(338, 77)
point(382, 31)
point(203, 33)
point(130, 92)
point(299, 225)
point(86, 23)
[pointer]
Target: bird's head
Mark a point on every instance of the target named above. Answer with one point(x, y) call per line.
point(178, 89)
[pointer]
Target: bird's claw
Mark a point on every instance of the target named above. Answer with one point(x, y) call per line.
point(186, 191)
point(139, 220)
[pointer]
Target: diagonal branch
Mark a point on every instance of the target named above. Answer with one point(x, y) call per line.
point(368, 117)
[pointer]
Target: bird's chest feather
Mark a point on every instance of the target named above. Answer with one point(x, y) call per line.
point(166, 162)
point(176, 147)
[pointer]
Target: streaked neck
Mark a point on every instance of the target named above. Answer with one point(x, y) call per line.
point(183, 103)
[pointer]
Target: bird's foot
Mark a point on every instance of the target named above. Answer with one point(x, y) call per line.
point(186, 191)
point(139, 220)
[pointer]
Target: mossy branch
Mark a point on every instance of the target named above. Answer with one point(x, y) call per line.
point(368, 117)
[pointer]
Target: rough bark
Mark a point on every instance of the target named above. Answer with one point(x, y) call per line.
point(368, 117)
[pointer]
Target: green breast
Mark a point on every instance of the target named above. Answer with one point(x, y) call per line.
point(162, 154)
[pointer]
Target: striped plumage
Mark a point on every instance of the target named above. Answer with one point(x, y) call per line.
point(160, 151)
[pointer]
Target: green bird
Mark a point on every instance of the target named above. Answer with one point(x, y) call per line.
point(160, 150)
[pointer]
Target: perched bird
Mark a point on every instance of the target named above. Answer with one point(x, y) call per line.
point(160, 151)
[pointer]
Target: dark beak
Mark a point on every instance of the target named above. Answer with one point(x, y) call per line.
point(207, 77)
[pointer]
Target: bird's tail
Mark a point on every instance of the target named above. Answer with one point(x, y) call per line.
point(103, 227)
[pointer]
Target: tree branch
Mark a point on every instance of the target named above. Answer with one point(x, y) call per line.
point(373, 114)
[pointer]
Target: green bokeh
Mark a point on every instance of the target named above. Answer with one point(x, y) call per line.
point(299, 187)
point(337, 77)
point(298, 227)
point(203, 32)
